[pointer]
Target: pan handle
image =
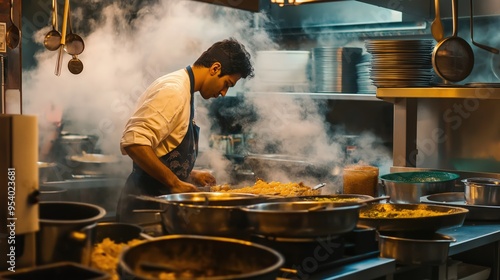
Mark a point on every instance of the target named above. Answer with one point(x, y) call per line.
point(454, 10)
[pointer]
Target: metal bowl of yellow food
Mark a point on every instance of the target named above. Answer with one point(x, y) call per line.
point(411, 217)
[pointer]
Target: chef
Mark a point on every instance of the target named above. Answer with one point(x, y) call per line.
point(161, 137)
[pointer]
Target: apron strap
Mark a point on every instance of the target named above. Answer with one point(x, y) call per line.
point(191, 82)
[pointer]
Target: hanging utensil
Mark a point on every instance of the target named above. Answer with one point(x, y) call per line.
point(63, 38)
point(75, 65)
point(437, 25)
point(74, 44)
point(52, 39)
point(13, 33)
point(484, 47)
point(453, 58)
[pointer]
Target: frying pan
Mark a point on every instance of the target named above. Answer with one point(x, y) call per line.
point(453, 58)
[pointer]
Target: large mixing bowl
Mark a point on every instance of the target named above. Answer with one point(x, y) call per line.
point(408, 187)
point(301, 218)
point(199, 257)
point(482, 191)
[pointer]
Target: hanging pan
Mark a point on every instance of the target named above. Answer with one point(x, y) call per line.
point(453, 58)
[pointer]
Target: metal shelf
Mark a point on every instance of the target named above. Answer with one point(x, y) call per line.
point(326, 95)
point(440, 92)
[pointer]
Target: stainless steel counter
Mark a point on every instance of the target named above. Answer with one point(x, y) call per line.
point(469, 236)
point(365, 269)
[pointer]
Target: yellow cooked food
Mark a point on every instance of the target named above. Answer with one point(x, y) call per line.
point(338, 199)
point(105, 255)
point(401, 213)
point(262, 187)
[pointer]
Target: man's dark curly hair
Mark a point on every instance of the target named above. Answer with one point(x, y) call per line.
point(231, 54)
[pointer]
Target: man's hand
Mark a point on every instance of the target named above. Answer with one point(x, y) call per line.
point(202, 178)
point(145, 157)
point(183, 187)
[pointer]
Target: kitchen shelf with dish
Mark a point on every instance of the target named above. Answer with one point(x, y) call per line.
point(467, 91)
point(325, 95)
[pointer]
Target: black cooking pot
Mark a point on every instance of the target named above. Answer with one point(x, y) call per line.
point(199, 257)
point(60, 237)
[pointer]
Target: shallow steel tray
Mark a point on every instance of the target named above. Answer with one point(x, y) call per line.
point(452, 217)
point(476, 212)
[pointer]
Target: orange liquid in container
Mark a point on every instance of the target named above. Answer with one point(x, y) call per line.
point(361, 179)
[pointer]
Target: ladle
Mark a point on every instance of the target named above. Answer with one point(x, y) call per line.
point(52, 40)
point(364, 201)
point(75, 65)
point(437, 25)
point(484, 47)
point(13, 33)
point(318, 186)
point(74, 44)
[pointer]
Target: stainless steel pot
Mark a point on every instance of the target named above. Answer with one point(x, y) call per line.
point(415, 248)
point(92, 164)
point(228, 221)
point(482, 191)
point(60, 237)
point(211, 198)
point(74, 144)
point(408, 187)
point(301, 218)
point(203, 257)
point(48, 171)
point(51, 193)
point(297, 168)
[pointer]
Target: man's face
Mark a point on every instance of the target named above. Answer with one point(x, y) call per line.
point(215, 85)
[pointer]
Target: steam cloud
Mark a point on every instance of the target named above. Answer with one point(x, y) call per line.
point(123, 57)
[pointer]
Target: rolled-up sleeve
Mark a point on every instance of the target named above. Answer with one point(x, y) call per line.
point(151, 123)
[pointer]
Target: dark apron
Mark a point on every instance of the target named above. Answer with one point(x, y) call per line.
point(180, 160)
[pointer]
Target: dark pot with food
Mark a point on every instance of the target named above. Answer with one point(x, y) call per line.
point(199, 257)
point(108, 240)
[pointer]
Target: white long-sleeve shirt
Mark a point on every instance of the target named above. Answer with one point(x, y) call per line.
point(161, 117)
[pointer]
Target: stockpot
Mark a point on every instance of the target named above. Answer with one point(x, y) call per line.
point(482, 191)
point(63, 227)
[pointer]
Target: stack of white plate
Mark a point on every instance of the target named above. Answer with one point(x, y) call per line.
point(400, 63)
point(365, 84)
point(334, 69)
